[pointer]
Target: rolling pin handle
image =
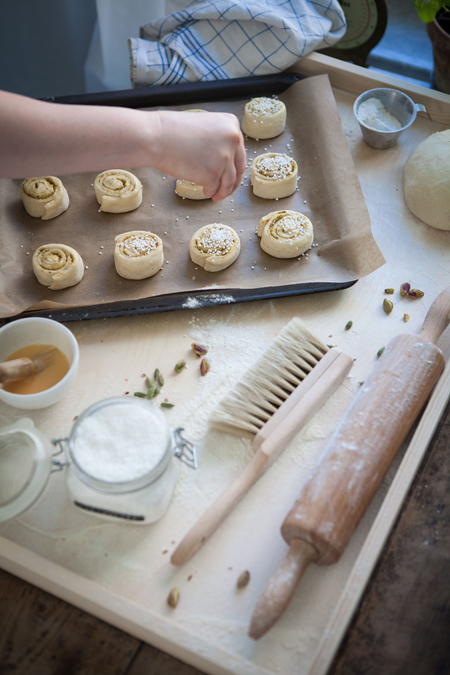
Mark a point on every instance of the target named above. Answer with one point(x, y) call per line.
point(279, 591)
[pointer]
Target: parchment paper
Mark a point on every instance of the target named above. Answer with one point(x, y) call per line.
point(329, 194)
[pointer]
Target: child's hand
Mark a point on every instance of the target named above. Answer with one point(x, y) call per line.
point(204, 148)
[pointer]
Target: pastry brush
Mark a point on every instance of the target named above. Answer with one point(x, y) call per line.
point(26, 367)
point(270, 404)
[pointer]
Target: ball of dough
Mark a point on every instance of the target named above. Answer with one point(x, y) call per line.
point(285, 234)
point(118, 191)
point(273, 175)
point(138, 254)
point(214, 247)
point(44, 197)
point(188, 190)
point(264, 118)
point(57, 266)
point(427, 180)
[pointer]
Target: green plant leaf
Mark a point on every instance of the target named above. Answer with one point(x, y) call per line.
point(427, 9)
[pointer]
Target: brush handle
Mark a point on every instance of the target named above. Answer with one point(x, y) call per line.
point(310, 395)
point(208, 523)
point(16, 369)
point(279, 591)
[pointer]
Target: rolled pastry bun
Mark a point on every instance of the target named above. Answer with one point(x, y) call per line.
point(273, 175)
point(214, 247)
point(188, 190)
point(57, 266)
point(138, 254)
point(185, 188)
point(44, 197)
point(285, 234)
point(118, 191)
point(264, 118)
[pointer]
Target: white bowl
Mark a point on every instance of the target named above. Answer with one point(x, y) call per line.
point(35, 330)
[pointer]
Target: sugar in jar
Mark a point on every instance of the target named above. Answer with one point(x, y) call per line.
point(120, 460)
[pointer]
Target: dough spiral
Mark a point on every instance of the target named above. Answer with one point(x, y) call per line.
point(138, 254)
point(214, 247)
point(285, 234)
point(57, 266)
point(264, 118)
point(274, 175)
point(118, 191)
point(44, 197)
point(188, 190)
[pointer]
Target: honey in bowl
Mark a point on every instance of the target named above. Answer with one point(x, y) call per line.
point(53, 372)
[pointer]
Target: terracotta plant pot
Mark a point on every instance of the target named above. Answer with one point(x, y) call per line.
point(440, 40)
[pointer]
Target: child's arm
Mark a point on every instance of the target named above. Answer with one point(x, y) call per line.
point(39, 138)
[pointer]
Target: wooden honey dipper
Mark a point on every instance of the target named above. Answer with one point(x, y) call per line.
point(354, 462)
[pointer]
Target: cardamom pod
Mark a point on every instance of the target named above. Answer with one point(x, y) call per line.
point(151, 392)
point(156, 374)
point(243, 579)
point(139, 394)
point(179, 366)
point(160, 380)
point(380, 351)
point(166, 404)
point(173, 597)
point(348, 325)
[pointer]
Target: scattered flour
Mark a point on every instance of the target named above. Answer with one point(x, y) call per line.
point(208, 300)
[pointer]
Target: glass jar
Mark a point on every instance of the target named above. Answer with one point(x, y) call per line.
point(119, 461)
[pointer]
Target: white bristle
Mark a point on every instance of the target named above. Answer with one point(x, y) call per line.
point(265, 386)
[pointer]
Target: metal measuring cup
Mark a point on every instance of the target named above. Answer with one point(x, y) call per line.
point(397, 104)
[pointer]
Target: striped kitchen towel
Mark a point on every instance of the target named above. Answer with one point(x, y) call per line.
point(224, 38)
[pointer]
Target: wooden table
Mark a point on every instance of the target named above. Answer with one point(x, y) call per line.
point(401, 623)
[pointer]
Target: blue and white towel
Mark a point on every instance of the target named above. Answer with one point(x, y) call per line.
point(219, 39)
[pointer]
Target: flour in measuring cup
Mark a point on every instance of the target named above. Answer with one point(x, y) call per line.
point(119, 443)
point(374, 115)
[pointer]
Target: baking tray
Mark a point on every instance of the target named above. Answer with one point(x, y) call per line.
point(183, 94)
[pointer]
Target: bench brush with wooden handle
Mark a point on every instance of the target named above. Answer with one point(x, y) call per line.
point(17, 369)
point(354, 462)
point(270, 404)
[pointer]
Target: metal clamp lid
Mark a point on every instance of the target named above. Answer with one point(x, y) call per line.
point(60, 444)
point(184, 450)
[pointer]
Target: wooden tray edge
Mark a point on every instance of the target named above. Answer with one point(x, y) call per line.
point(355, 79)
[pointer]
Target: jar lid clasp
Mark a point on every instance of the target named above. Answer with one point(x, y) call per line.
point(184, 450)
point(59, 443)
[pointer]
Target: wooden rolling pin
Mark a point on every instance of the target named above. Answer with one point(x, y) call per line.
point(17, 369)
point(354, 462)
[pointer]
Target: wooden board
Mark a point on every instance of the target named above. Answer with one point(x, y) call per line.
point(121, 574)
